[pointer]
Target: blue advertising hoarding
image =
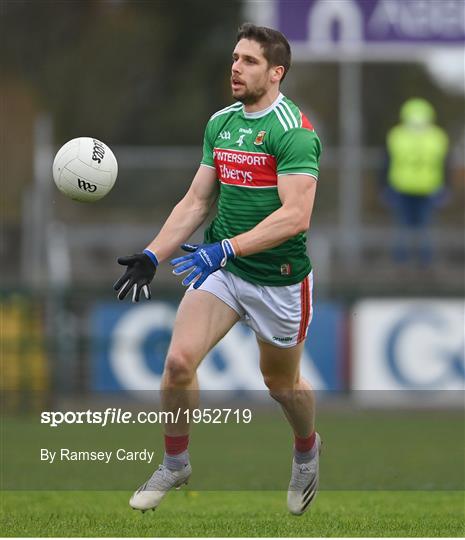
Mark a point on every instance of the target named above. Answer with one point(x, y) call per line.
point(129, 345)
point(373, 21)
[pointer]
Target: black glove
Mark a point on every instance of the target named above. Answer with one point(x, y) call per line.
point(139, 273)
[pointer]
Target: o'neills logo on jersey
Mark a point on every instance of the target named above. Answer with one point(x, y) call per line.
point(248, 169)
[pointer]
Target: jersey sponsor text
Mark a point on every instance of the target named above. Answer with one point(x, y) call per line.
point(258, 170)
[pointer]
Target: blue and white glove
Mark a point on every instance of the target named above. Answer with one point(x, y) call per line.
point(203, 260)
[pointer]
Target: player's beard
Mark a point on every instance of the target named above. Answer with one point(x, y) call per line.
point(250, 97)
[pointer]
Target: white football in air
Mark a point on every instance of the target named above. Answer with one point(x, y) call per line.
point(85, 169)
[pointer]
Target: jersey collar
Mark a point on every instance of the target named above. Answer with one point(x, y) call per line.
point(264, 112)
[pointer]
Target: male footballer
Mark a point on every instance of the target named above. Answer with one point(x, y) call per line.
point(260, 164)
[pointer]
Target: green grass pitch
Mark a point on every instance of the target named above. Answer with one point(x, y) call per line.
point(383, 473)
point(187, 513)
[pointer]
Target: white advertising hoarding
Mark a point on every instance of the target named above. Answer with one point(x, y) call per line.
point(414, 345)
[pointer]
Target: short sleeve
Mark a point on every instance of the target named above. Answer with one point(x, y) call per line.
point(299, 152)
point(207, 156)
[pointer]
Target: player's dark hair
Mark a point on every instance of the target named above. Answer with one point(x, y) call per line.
point(276, 48)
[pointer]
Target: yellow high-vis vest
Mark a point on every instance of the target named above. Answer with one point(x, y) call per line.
point(417, 159)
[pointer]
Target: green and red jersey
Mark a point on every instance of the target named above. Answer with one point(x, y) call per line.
point(249, 151)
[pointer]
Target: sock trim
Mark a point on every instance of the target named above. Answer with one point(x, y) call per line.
point(176, 444)
point(304, 444)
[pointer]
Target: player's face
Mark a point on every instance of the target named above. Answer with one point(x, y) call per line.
point(251, 76)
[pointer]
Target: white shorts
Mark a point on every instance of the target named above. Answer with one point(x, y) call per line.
point(278, 315)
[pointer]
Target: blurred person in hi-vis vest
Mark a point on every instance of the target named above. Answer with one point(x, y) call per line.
point(415, 179)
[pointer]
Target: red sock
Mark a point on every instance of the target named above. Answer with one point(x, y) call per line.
point(176, 444)
point(304, 444)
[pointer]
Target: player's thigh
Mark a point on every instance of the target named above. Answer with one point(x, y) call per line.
point(280, 365)
point(201, 321)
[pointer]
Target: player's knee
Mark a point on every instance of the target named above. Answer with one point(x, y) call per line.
point(179, 369)
point(280, 389)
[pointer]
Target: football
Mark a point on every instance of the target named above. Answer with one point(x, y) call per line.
point(85, 169)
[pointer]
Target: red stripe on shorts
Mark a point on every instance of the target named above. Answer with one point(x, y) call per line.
point(304, 309)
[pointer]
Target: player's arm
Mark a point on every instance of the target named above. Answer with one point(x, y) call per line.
point(184, 219)
point(297, 194)
point(187, 216)
point(298, 152)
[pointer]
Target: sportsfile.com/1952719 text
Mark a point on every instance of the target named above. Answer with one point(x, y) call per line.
point(113, 415)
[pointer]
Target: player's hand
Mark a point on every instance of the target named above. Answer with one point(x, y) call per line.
point(140, 271)
point(203, 260)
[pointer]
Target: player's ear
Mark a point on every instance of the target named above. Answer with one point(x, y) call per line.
point(277, 73)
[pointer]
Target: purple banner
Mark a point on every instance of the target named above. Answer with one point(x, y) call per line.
point(383, 22)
